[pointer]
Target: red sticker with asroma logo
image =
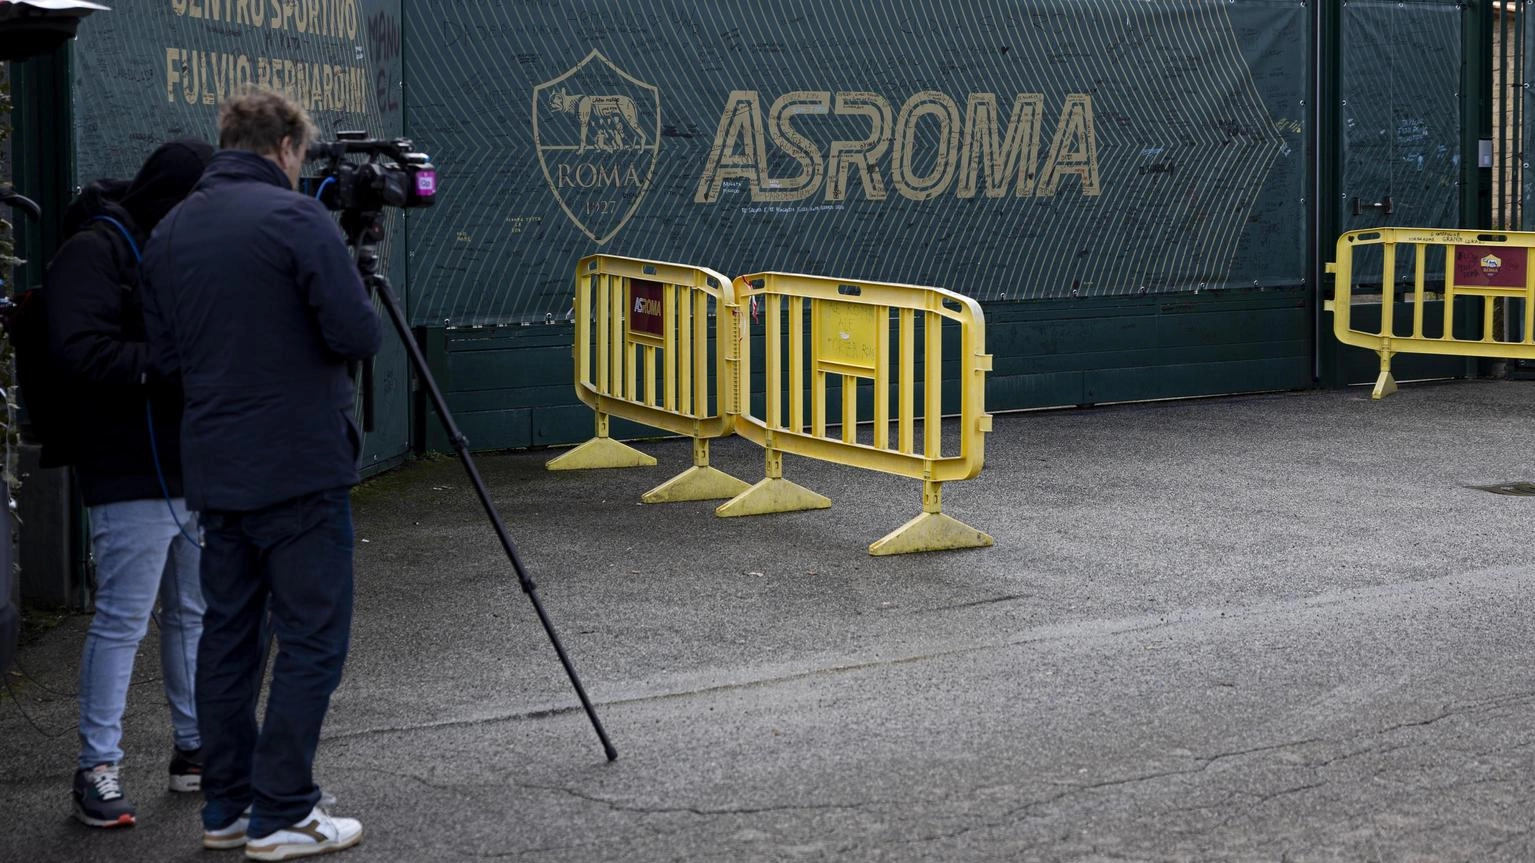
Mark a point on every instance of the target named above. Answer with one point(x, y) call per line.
point(645, 308)
point(1490, 266)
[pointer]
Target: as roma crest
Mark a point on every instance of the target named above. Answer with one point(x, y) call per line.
point(597, 130)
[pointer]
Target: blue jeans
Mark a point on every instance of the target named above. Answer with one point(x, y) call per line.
point(141, 554)
point(296, 558)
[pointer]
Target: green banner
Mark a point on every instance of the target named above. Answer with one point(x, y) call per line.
point(155, 70)
point(1007, 150)
point(152, 71)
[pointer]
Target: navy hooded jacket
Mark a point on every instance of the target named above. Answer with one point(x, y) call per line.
point(97, 344)
point(250, 293)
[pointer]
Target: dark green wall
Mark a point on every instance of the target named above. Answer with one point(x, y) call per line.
point(1176, 255)
point(512, 386)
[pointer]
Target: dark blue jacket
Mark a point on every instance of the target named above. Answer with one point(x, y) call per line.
point(98, 350)
point(250, 293)
point(108, 414)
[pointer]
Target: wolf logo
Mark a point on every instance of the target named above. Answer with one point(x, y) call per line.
point(608, 110)
point(597, 130)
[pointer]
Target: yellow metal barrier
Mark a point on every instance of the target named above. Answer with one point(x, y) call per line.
point(1492, 265)
point(864, 332)
point(642, 354)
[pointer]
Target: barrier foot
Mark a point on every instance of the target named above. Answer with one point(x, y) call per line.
point(600, 452)
point(699, 482)
point(930, 531)
point(1385, 385)
point(773, 494)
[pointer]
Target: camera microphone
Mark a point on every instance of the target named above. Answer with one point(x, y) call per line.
point(324, 150)
point(350, 141)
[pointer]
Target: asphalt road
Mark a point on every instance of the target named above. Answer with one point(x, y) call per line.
point(1276, 627)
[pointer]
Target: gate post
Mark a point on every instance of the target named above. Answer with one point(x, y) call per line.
point(1476, 115)
point(1326, 178)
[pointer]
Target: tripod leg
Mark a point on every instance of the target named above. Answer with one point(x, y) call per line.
point(461, 446)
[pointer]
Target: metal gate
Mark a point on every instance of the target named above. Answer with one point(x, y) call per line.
point(1509, 41)
point(1405, 132)
point(1510, 93)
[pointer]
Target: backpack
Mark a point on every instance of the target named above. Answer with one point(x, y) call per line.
point(44, 387)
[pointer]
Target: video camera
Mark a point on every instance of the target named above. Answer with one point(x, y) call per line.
point(392, 176)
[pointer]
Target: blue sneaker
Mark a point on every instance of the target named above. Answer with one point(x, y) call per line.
point(99, 799)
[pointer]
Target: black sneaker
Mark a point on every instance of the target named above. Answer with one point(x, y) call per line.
point(99, 799)
point(187, 770)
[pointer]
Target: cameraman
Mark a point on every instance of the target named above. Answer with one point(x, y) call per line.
point(252, 295)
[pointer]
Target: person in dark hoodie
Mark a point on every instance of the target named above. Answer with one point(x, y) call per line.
point(252, 295)
point(120, 431)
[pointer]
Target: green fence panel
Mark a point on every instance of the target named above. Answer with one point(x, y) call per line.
point(1401, 113)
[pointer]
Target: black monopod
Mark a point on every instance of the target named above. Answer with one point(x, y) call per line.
point(364, 228)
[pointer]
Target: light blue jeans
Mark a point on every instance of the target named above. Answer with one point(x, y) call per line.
point(141, 555)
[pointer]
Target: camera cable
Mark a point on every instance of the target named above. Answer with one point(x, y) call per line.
point(27, 716)
point(174, 571)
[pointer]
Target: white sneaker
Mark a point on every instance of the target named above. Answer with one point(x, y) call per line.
point(317, 833)
point(232, 836)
